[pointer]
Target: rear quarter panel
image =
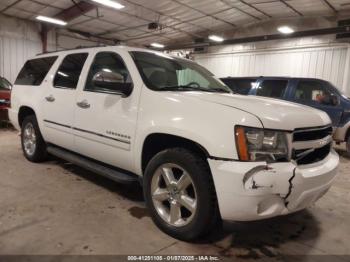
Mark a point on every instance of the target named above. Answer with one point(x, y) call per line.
point(29, 96)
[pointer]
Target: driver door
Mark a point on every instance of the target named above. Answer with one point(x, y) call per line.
point(105, 121)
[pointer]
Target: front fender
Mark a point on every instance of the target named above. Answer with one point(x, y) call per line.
point(208, 124)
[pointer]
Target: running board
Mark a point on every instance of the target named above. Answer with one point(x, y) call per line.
point(93, 166)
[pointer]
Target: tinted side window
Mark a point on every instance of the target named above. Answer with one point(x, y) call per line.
point(240, 86)
point(34, 71)
point(272, 88)
point(68, 73)
point(312, 91)
point(109, 62)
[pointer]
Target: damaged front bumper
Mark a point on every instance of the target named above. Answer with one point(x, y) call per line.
point(256, 190)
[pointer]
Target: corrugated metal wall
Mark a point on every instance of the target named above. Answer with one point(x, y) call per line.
point(19, 40)
point(329, 62)
point(13, 53)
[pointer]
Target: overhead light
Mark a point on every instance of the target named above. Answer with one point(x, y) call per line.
point(156, 45)
point(285, 30)
point(110, 3)
point(216, 38)
point(51, 20)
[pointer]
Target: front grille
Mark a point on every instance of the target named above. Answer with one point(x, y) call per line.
point(317, 155)
point(311, 141)
point(312, 134)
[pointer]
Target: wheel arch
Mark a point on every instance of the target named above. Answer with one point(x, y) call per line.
point(156, 142)
point(23, 112)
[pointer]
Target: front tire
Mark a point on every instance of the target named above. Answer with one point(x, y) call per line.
point(33, 144)
point(180, 195)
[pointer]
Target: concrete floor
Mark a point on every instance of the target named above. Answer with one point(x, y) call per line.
point(57, 208)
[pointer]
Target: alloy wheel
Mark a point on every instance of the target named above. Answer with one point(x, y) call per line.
point(174, 195)
point(29, 139)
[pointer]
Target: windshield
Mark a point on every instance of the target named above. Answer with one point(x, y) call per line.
point(164, 73)
point(4, 84)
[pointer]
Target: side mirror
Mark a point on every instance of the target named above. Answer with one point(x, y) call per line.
point(112, 81)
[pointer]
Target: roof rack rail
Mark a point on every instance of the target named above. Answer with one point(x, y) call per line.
point(75, 48)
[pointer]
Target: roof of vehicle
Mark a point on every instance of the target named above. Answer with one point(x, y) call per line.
point(88, 49)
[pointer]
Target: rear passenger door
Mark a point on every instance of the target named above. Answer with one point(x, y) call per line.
point(274, 88)
point(319, 95)
point(59, 100)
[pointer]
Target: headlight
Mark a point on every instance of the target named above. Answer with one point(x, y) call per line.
point(255, 144)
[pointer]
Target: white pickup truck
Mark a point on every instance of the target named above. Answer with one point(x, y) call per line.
point(201, 152)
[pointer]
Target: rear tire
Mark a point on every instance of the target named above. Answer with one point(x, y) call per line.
point(33, 144)
point(185, 206)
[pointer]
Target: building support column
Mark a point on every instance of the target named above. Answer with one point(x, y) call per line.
point(43, 34)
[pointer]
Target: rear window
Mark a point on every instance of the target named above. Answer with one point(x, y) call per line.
point(240, 86)
point(34, 71)
point(272, 88)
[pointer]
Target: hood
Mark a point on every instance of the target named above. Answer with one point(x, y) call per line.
point(273, 113)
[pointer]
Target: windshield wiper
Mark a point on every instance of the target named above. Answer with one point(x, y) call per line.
point(189, 88)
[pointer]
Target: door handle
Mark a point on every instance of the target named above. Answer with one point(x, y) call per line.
point(50, 98)
point(83, 104)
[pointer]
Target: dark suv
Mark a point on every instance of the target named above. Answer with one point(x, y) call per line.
point(313, 92)
point(5, 93)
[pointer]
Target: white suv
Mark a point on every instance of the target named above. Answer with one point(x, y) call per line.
point(201, 152)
